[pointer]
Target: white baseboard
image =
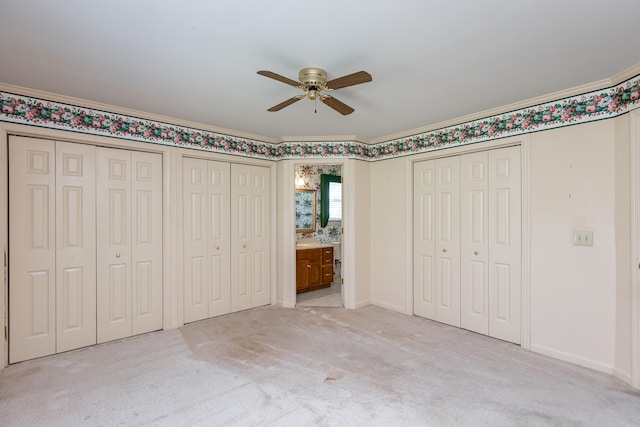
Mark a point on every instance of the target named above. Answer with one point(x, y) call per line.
point(572, 358)
point(623, 376)
point(287, 304)
point(361, 304)
point(388, 306)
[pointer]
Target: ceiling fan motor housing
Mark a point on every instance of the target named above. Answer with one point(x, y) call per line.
point(313, 79)
point(312, 76)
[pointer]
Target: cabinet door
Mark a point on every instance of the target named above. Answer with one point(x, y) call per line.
point(302, 273)
point(32, 267)
point(424, 243)
point(75, 246)
point(474, 246)
point(315, 271)
point(447, 236)
point(114, 243)
point(505, 244)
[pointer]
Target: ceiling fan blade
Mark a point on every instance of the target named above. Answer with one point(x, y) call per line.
point(285, 103)
point(279, 78)
point(349, 80)
point(339, 106)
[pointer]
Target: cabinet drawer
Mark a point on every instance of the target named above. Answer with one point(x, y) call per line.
point(327, 274)
point(308, 253)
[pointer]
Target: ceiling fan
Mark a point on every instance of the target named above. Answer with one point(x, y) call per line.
point(313, 81)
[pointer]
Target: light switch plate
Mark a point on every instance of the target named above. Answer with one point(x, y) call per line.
point(583, 238)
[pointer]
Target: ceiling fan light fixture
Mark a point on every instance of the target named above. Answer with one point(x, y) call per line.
point(313, 81)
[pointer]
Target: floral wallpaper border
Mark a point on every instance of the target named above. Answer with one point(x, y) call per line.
point(597, 105)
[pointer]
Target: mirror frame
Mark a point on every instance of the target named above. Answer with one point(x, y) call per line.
point(304, 224)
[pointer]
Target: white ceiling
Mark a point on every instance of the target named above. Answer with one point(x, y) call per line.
point(430, 60)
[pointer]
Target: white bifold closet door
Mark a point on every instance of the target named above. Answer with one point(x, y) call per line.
point(250, 237)
point(226, 238)
point(505, 244)
point(491, 243)
point(59, 220)
point(52, 247)
point(437, 240)
point(476, 269)
point(207, 210)
point(129, 236)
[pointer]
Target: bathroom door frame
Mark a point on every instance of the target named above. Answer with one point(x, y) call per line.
point(288, 229)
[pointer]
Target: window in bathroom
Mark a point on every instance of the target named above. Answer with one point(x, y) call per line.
point(330, 199)
point(335, 201)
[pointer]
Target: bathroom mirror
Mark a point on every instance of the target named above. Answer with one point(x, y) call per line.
point(305, 211)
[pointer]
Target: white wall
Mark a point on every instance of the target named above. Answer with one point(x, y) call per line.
point(389, 234)
point(573, 287)
point(622, 366)
point(359, 188)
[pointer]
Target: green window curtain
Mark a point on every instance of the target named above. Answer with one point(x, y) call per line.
point(324, 196)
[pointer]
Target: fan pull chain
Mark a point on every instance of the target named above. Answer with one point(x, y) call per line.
point(315, 108)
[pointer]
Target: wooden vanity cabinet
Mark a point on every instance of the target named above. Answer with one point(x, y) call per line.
point(314, 269)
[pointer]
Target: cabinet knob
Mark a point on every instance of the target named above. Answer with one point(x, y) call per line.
point(308, 265)
point(117, 255)
point(444, 249)
point(217, 248)
point(476, 253)
point(244, 246)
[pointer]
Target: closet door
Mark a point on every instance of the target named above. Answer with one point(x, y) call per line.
point(114, 243)
point(474, 246)
point(219, 237)
point(196, 232)
point(424, 243)
point(129, 243)
point(207, 238)
point(146, 241)
point(75, 246)
point(448, 241)
point(250, 270)
point(505, 244)
point(32, 268)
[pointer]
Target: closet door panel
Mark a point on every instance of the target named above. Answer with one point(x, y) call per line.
point(448, 241)
point(32, 266)
point(196, 233)
point(75, 246)
point(219, 240)
point(146, 242)
point(474, 246)
point(113, 244)
point(242, 274)
point(260, 237)
point(505, 244)
point(424, 239)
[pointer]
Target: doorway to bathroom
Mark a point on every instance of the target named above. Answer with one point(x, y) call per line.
point(319, 235)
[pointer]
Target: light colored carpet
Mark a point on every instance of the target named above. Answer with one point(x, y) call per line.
point(327, 297)
point(307, 367)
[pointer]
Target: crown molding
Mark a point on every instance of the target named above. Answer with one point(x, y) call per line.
point(55, 97)
point(625, 75)
point(331, 138)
